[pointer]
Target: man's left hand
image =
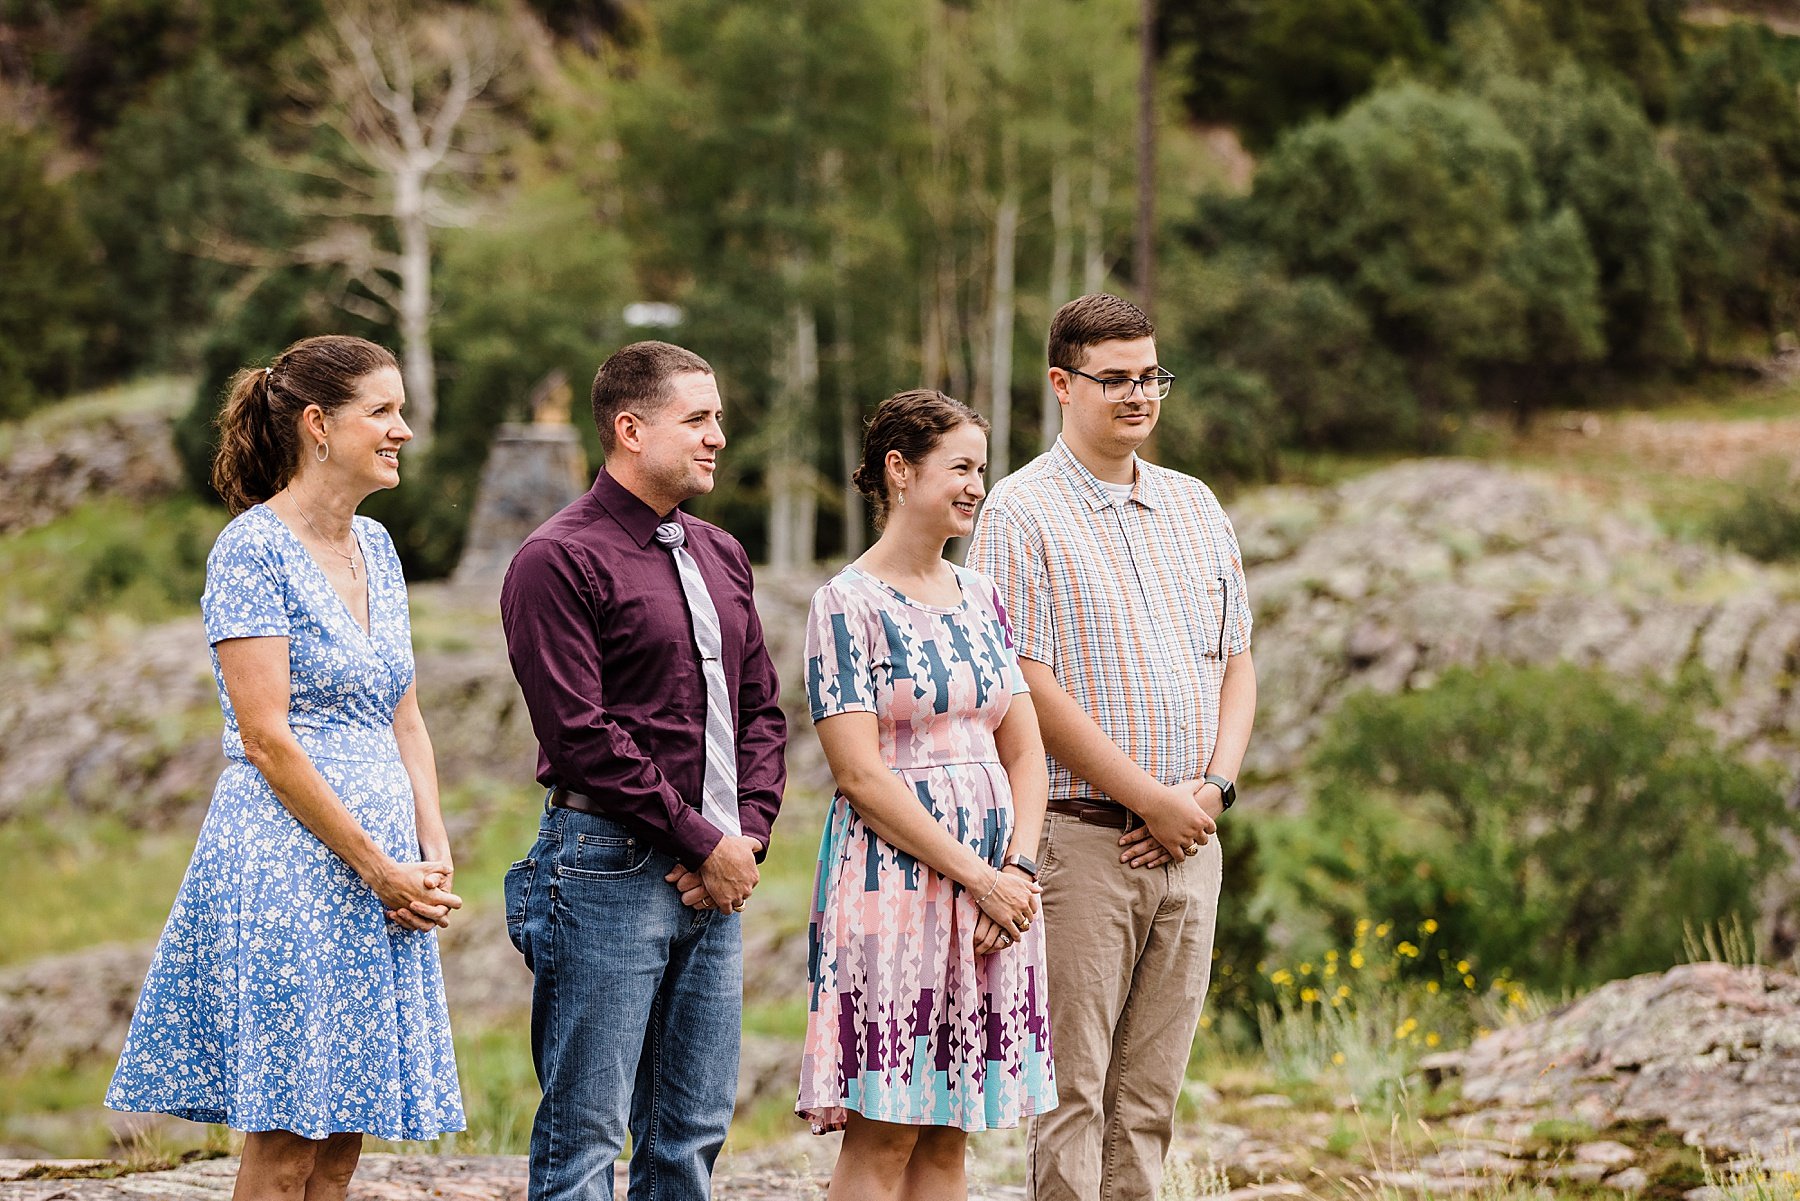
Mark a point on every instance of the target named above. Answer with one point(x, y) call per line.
point(1139, 849)
point(730, 872)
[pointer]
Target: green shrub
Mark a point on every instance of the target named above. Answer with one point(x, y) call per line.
point(1763, 519)
point(1557, 827)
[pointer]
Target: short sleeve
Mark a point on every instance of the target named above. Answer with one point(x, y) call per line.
point(246, 587)
point(840, 676)
point(1001, 551)
point(1238, 618)
point(1015, 674)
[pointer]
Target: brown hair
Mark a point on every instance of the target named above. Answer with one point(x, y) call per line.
point(912, 423)
point(639, 375)
point(1090, 320)
point(259, 427)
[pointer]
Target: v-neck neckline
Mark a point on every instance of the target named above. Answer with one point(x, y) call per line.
point(368, 633)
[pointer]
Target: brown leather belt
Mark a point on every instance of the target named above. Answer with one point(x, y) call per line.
point(1096, 813)
point(579, 802)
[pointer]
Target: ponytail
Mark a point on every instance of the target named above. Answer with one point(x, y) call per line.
point(256, 454)
point(259, 425)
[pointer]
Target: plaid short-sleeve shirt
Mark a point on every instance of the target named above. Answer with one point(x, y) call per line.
point(1135, 603)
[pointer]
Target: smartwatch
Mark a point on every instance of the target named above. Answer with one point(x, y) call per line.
point(1227, 788)
point(1023, 863)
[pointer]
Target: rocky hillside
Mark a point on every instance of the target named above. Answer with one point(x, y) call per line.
point(1380, 583)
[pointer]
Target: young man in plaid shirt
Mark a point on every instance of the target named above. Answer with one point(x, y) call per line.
point(1126, 592)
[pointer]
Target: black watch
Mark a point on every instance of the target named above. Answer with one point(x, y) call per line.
point(1024, 863)
point(1227, 789)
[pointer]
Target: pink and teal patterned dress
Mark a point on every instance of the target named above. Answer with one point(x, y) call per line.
point(905, 1024)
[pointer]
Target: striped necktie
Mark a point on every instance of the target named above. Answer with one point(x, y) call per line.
point(719, 804)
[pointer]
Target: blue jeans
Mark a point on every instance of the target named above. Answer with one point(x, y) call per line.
point(636, 1010)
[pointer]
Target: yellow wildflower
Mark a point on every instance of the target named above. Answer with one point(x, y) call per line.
point(1469, 982)
point(1282, 976)
point(1362, 926)
point(1309, 995)
point(1431, 986)
point(1306, 969)
point(1462, 966)
point(1381, 931)
point(1356, 960)
point(1338, 1059)
point(1404, 1029)
point(1432, 1039)
point(1408, 950)
point(1428, 926)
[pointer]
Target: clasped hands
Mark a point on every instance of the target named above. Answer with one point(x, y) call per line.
point(1177, 823)
point(1007, 911)
point(417, 895)
point(725, 881)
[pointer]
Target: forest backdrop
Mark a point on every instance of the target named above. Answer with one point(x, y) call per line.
point(1375, 218)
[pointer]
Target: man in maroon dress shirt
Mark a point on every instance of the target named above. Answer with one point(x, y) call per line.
point(635, 639)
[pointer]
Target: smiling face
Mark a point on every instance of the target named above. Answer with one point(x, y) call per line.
point(1097, 428)
point(675, 448)
point(365, 435)
point(943, 489)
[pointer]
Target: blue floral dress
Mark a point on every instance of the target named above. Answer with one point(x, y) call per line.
point(281, 997)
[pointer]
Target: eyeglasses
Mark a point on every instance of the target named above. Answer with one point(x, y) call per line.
point(1120, 387)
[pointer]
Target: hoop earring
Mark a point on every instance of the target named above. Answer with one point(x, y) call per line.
point(322, 451)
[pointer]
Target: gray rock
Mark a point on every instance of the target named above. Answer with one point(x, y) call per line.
point(1631, 1180)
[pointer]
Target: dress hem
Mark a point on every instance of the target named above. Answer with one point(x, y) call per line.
point(213, 1116)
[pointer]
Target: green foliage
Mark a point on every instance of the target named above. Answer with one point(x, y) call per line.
point(47, 276)
point(1595, 154)
point(1738, 152)
point(1410, 268)
point(148, 561)
point(1310, 58)
point(1763, 519)
point(177, 190)
point(1554, 825)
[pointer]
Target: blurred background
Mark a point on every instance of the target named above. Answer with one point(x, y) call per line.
point(1483, 314)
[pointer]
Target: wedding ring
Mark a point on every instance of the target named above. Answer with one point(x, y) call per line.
point(1194, 849)
point(1024, 923)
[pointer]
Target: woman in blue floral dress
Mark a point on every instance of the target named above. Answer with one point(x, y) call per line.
point(296, 993)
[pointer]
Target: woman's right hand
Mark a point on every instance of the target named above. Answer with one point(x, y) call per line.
point(1011, 902)
point(414, 894)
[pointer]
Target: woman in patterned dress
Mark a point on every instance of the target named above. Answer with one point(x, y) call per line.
point(295, 993)
point(927, 1017)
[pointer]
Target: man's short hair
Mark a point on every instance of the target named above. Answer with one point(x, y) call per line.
point(635, 379)
point(1089, 320)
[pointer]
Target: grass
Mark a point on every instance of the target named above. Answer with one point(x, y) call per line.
point(108, 558)
point(79, 884)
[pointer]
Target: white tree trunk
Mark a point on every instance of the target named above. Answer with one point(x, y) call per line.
point(1093, 277)
point(413, 309)
point(1000, 324)
point(1062, 266)
point(793, 499)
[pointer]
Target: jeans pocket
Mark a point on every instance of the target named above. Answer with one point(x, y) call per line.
point(603, 857)
point(518, 891)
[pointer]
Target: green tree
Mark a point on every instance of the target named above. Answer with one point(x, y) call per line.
point(177, 198)
point(1425, 211)
point(1737, 148)
point(1557, 825)
point(1595, 153)
point(47, 277)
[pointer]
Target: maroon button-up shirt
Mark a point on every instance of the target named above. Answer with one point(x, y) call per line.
point(598, 633)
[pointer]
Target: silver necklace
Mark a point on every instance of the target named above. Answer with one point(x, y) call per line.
point(348, 558)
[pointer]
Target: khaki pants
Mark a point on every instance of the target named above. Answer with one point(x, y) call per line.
point(1129, 956)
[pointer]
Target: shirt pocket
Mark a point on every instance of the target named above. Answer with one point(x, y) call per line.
point(1208, 602)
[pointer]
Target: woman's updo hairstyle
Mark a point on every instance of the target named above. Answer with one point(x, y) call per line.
point(259, 427)
point(912, 423)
